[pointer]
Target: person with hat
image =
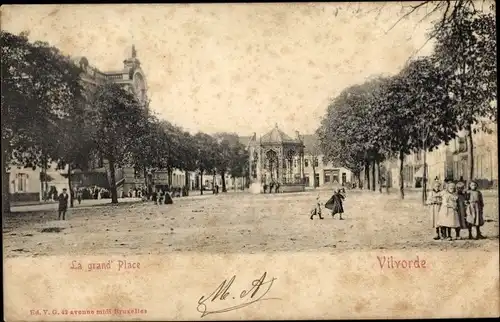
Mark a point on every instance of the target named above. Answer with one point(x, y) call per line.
point(63, 204)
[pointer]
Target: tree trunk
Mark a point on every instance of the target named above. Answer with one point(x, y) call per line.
point(187, 182)
point(424, 178)
point(470, 155)
point(112, 181)
point(367, 174)
point(359, 180)
point(314, 176)
point(374, 179)
point(401, 178)
point(201, 182)
point(70, 186)
point(169, 174)
point(5, 185)
point(146, 178)
point(388, 179)
point(223, 174)
point(379, 177)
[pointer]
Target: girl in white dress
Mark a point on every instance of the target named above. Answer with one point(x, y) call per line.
point(448, 216)
point(435, 202)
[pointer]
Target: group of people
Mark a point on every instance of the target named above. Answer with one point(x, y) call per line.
point(335, 204)
point(273, 187)
point(455, 208)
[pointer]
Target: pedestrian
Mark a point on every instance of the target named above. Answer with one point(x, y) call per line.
point(160, 197)
point(335, 204)
point(216, 189)
point(461, 208)
point(316, 209)
point(63, 204)
point(271, 186)
point(168, 198)
point(154, 197)
point(277, 187)
point(79, 195)
point(435, 201)
point(475, 210)
point(448, 213)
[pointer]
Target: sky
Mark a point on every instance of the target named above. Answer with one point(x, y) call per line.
point(235, 67)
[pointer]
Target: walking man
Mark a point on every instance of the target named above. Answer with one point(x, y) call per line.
point(63, 204)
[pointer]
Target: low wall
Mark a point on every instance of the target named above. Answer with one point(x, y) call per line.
point(24, 197)
point(293, 188)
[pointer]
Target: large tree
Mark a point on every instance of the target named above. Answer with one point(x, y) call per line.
point(39, 88)
point(206, 148)
point(119, 120)
point(465, 52)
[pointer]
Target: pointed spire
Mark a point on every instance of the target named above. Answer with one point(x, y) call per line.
point(134, 52)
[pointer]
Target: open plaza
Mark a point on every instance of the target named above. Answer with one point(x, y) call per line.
point(236, 222)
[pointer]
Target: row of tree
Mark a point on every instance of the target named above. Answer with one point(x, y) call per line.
point(50, 115)
point(426, 104)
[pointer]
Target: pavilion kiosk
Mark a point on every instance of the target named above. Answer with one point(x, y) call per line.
point(276, 158)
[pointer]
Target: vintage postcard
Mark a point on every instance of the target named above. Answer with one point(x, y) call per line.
point(250, 161)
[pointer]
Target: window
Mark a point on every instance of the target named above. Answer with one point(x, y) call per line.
point(21, 182)
point(316, 162)
point(327, 178)
point(295, 163)
point(306, 162)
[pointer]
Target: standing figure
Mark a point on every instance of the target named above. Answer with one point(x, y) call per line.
point(63, 204)
point(435, 200)
point(160, 197)
point(475, 210)
point(79, 195)
point(265, 187)
point(168, 198)
point(317, 209)
point(277, 187)
point(335, 204)
point(448, 213)
point(461, 208)
point(271, 186)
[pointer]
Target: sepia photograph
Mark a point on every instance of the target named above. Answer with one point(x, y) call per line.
point(250, 161)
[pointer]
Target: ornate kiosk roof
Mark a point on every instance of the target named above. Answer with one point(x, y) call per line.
point(276, 136)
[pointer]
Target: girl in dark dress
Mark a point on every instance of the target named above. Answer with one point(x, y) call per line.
point(335, 204)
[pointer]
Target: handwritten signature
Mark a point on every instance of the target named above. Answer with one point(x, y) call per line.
point(260, 287)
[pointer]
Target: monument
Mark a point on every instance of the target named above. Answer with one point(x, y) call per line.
point(278, 159)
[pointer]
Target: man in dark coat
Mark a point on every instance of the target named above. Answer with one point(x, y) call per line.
point(63, 204)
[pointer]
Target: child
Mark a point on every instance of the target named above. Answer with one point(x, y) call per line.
point(435, 202)
point(475, 210)
point(335, 204)
point(448, 213)
point(461, 208)
point(317, 209)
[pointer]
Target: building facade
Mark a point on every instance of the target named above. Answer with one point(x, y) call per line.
point(450, 161)
point(278, 157)
point(26, 184)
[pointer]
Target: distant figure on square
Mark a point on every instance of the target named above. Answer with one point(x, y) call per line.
point(475, 210)
point(79, 195)
point(277, 188)
point(63, 204)
point(168, 198)
point(316, 209)
point(335, 204)
point(435, 201)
